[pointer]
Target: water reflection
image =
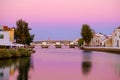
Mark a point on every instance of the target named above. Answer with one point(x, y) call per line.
point(9, 67)
point(87, 51)
point(117, 67)
point(62, 64)
point(24, 66)
point(86, 64)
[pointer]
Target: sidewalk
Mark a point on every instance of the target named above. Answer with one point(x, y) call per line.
point(104, 49)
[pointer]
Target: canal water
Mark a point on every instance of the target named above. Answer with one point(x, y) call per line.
point(62, 64)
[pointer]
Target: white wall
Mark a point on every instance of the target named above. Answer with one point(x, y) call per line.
point(116, 38)
point(97, 40)
point(6, 38)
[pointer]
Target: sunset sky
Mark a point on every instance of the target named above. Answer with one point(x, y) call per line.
point(61, 19)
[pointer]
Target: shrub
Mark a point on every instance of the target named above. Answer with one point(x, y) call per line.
point(9, 53)
point(4, 53)
point(24, 52)
point(14, 53)
point(2, 47)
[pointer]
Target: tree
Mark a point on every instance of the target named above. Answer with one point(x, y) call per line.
point(86, 33)
point(22, 34)
point(80, 42)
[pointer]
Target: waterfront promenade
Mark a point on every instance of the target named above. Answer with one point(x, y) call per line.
point(104, 49)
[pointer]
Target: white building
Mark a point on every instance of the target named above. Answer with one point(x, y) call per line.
point(1, 28)
point(76, 41)
point(116, 38)
point(107, 42)
point(97, 39)
point(4, 38)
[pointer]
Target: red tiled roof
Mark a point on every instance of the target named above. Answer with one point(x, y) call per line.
point(118, 27)
point(6, 28)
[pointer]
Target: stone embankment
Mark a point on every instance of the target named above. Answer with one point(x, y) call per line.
point(103, 49)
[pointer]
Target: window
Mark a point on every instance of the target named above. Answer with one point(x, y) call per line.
point(1, 36)
point(98, 41)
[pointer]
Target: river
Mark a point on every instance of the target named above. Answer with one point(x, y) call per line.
point(62, 64)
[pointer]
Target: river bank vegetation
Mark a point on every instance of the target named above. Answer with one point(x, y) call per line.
point(14, 53)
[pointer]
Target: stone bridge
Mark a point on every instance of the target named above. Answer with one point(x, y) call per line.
point(65, 42)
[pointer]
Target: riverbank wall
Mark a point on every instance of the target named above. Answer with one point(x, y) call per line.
point(103, 49)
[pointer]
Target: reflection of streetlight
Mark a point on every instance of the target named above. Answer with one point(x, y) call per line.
point(86, 64)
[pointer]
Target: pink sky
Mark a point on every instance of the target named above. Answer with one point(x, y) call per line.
point(65, 12)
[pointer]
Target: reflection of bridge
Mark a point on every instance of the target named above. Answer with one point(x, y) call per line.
point(53, 41)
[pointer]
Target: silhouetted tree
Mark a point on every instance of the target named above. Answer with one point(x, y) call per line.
point(22, 34)
point(86, 33)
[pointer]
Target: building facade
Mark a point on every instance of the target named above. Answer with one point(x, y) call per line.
point(116, 38)
point(6, 35)
point(11, 34)
point(107, 41)
point(97, 39)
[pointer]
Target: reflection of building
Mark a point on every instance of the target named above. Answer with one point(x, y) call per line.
point(117, 66)
point(4, 74)
point(8, 68)
point(118, 69)
point(6, 35)
point(12, 70)
point(116, 38)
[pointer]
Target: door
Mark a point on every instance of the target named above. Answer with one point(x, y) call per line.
point(117, 43)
